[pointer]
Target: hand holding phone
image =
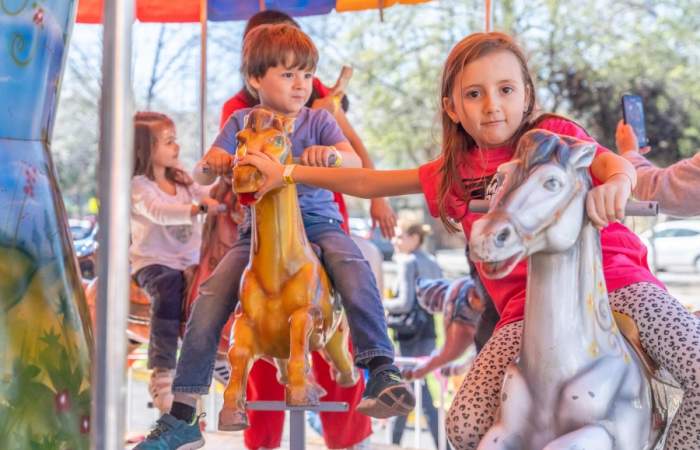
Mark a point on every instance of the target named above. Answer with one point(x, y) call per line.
point(633, 114)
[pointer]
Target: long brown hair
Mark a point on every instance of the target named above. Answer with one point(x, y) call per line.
point(146, 125)
point(455, 139)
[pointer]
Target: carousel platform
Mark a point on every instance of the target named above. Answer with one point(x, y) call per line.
point(234, 441)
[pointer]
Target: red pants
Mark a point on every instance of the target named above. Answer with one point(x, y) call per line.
point(340, 430)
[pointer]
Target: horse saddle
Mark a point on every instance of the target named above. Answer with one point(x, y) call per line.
point(630, 331)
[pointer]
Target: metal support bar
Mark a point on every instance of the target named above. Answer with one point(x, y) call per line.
point(633, 208)
point(297, 417)
point(203, 77)
point(115, 167)
point(418, 410)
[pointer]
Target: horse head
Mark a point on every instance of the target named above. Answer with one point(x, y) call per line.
point(539, 203)
point(263, 131)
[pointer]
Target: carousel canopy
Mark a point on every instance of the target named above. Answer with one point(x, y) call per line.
point(90, 11)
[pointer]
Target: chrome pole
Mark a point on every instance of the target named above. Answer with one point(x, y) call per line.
point(488, 22)
point(115, 166)
point(203, 78)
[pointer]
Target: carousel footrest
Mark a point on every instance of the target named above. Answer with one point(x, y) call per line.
point(282, 406)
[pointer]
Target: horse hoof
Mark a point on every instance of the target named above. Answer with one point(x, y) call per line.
point(302, 396)
point(347, 379)
point(232, 420)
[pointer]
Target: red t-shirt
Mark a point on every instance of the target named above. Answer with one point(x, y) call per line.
point(624, 255)
point(244, 100)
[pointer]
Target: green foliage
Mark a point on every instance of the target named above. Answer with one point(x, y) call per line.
point(584, 53)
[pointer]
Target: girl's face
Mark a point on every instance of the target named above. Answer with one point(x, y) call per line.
point(166, 150)
point(489, 98)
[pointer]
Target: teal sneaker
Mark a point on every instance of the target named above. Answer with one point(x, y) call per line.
point(173, 434)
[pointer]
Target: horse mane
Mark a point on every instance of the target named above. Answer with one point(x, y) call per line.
point(537, 147)
point(261, 118)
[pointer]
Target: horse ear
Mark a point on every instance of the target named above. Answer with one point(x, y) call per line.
point(581, 154)
point(288, 123)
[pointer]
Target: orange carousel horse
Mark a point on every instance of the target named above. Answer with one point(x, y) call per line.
point(286, 303)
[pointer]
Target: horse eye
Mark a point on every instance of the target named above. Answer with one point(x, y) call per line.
point(552, 184)
point(278, 141)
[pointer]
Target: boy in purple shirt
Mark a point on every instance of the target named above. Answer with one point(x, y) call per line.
point(278, 64)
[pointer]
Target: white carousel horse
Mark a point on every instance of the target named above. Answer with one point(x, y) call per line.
point(577, 384)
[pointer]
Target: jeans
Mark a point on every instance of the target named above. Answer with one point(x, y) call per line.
point(166, 288)
point(349, 272)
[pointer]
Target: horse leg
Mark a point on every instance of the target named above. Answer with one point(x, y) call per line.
point(591, 436)
point(587, 398)
point(301, 390)
point(337, 353)
point(513, 415)
point(282, 375)
point(232, 416)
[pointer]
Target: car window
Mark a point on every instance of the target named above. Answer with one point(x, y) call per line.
point(79, 232)
point(666, 233)
point(684, 232)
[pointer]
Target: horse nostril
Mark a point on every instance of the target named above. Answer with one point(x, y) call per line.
point(502, 237)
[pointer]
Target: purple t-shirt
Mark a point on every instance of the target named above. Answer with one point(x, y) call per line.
point(311, 127)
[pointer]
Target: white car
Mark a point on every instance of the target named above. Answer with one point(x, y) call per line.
point(674, 244)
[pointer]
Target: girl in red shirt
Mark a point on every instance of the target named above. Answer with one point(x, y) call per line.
point(488, 103)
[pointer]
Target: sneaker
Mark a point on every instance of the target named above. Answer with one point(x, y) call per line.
point(386, 394)
point(160, 388)
point(173, 434)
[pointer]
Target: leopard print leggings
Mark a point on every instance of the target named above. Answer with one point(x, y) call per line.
point(669, 334)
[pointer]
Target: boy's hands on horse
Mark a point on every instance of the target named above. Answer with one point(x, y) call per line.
point(338, 155)
point(219, 161)
point(320, 156)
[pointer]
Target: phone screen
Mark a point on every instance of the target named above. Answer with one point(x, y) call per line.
point(633, 114)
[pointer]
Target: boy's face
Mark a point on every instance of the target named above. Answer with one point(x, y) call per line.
point(284, 90)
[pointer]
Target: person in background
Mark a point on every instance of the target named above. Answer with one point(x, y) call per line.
point(676, 187)
point(414, 328)
point(165, 239)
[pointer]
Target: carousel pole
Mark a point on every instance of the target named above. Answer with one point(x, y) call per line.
point(203, 78)
point(115, 167)
point(488, 22)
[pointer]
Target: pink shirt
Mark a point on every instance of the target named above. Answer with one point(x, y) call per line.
point(624, 255)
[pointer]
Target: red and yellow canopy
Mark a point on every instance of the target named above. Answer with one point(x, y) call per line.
point(90, 11)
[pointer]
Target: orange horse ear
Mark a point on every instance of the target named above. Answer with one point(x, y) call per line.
point(288, 124)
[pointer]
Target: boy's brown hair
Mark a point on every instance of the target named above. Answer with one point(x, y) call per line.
point(281, 44)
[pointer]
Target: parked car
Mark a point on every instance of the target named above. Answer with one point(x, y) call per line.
point(674, 244)
point(362, 227)
point(84, 235)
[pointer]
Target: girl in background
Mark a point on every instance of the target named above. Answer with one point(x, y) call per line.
point(165, 239)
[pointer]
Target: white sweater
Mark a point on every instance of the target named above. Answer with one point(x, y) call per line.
point(163, 231)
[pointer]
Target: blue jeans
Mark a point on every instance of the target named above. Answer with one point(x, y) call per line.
point(349, 272)
point(166, 288)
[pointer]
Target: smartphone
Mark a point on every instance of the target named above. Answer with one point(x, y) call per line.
point(633, 114)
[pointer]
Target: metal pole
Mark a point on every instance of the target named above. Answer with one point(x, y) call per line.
point(297, 430)
point(116, 162)
point(488, 22)
point(442, 444)
point(418, 410)
point(203, 78)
